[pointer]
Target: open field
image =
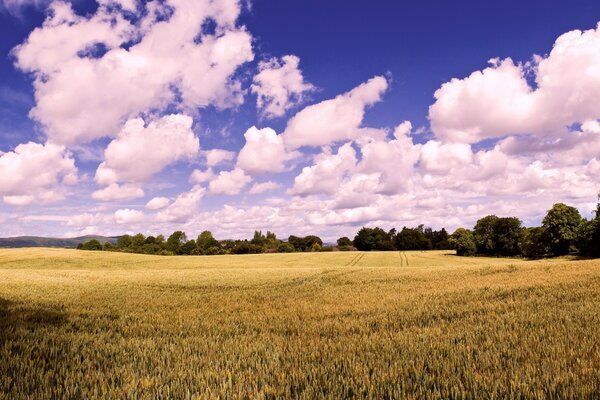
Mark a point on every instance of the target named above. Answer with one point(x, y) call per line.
point(380, 325)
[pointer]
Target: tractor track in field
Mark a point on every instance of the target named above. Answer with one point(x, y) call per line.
point(403, 259)
point(355, 260)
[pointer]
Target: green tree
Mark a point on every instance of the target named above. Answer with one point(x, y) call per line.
point(561, 224)
point(463, 242)
point(205, 241)
point(508, 233)
point(368, 239)
point(344, 241)
point(187, 248)
point(534, 242)
point(484, 235)
point(123, 242)
point(175, 241)
point(92, 245)
point(412, 239)
point(258, 239)
point(285, 248)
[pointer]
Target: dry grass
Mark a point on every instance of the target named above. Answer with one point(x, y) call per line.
point(320, 325)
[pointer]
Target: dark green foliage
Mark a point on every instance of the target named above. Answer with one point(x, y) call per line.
point(308, 243)
point(561, 224)
point(463, 242)
point(175, 241)
point(245, 247)
point(483, 233)
point(496, 236)
point(412, 239)
point(124, 242)
point(368, 239)
point(286, 248)
point(258, 239)
point(344, 241)
point(91, 245)
point(438, 239)
point(534, 243)
point(204, 242)
point(187, 248)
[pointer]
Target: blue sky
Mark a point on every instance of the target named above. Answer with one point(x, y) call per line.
point(385, 114)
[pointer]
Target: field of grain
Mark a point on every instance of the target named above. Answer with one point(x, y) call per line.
point(77, 324)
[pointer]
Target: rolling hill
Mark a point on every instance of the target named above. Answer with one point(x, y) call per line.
point(38, 241)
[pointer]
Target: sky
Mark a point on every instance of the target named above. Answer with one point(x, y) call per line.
point(312, 117)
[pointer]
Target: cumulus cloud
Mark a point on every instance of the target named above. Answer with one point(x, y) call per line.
point(336, 119)
point(198, 176)
point(327, 172)
point(264, 152)
point(440, 158)
point(498, 101)
point(261, 187)
point(141, 151)
point(184, 207)
point(229, 182)
point(89, 78)
point(36, 172)
point(216, 157)
point(84, 220)
point(128, 216)
point(279, 86)
point(115, 192)
point(157, 203)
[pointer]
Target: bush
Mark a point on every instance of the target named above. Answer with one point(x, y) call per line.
point(463, 242)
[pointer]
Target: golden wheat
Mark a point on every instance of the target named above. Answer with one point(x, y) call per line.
point(316, 325)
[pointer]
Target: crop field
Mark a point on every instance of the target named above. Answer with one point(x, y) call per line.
point(77, 324)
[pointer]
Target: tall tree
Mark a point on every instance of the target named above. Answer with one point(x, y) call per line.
point(484, 235)
point(463, 242)
point(561, 224)
point(175, 241)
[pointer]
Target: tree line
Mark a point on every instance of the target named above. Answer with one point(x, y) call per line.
point(206, 244)
point(563, 231)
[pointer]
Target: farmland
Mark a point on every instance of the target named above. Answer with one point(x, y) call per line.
point(301, 325)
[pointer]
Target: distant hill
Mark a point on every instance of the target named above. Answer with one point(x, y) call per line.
point(37, 241)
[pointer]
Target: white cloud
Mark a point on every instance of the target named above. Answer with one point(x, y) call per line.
point(87, 82)
point(115, 192)
point(262, 187)
point(141, 151)
point(198, 176)
point(440, 158)
point(184, 207)
point(264, 152)
point(334, 120)
point(15, 7)
point(327, 172)
point(229, 182)
point(84, 220)
point(157, 203)
point(498, 101)
point(216, 157)
point(36, 172)
point(128, 216)
point(279, 86)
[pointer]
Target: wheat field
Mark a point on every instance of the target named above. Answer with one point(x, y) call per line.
point(313, 325)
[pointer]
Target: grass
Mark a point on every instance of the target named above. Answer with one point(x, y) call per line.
point(319, 325)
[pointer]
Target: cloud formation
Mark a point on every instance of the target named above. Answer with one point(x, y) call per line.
point(279, 86)
point(334, 120)
point(139, 151)
point(92, 73)
point(498, 101)
point(36, 172)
